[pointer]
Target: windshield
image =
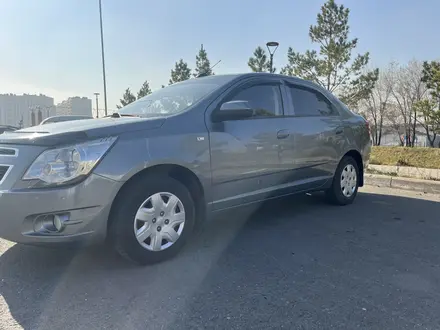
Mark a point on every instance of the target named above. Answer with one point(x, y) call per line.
point(169, 100)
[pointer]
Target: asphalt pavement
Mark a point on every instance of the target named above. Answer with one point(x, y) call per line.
point(295, 263)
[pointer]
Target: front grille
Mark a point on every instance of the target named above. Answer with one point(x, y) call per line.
point(7, 152)
point(3, 170)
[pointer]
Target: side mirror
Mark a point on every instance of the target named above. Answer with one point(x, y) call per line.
point(233, 110)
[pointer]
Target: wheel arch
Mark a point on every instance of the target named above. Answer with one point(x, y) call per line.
point(178, 172)
point(356, 155)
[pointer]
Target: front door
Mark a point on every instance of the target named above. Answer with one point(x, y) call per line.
point(245, 159)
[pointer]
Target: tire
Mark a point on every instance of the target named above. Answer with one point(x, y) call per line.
point(124, 219)
point(343, 195)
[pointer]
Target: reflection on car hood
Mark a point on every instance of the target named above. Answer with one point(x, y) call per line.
point(78, 130)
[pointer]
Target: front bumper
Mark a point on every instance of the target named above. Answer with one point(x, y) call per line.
point(85, 208)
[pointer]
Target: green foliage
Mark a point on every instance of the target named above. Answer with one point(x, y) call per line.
point(145, 90)
point(332, 67)
point(181, 72)
point(431, 76)
point(127, 98)
point(203, 66)
point(428, 108)
point(431, 118)
point(359, 88)
point(260, 61)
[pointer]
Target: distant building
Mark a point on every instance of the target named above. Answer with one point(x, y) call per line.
point(75, 106)
point(25, 110)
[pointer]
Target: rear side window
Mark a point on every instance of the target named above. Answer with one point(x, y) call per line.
point(264, 99)
point(309, 102)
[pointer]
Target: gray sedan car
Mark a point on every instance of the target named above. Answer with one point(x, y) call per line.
point(143, 178)
point(58, 119)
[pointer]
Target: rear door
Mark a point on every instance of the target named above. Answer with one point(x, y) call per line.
point(316, 137)
point(245, 158)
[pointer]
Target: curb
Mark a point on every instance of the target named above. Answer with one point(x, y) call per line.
point(425, 186)
point(405, 172)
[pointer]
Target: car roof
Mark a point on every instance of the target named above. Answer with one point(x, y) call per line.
point(8, 127)
point(69, 116)
point(222, 79)
point(233, 76)
point(56, 119)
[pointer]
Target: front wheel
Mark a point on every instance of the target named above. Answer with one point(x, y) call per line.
point(345, 182)
point(152, 219)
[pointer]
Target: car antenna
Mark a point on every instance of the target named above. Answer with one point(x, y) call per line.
point(203, 74)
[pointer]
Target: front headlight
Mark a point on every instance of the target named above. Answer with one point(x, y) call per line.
point(67, 164)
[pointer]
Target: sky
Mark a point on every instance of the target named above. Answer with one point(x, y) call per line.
point(53, 46)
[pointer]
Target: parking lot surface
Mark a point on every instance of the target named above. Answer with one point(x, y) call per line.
point(294, 263)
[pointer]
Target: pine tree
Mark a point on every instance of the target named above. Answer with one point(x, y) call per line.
point(145, 90)
point(127, 98)
point(203, 66)
point(428, 110)
point(431, 76)
point(332, 66)
point(430, 107)
point(260, 61)
point(181, 72)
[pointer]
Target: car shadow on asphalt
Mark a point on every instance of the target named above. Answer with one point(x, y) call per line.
point(282, 263)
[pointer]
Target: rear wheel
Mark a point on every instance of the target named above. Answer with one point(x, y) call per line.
point(345, 182)
point(152, 219)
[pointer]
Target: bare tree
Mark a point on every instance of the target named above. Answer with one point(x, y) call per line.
point(395, 122)
point(376, 105)
point(407, 89)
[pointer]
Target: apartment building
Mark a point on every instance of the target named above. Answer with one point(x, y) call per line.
point(75, 106)
point(25, 110)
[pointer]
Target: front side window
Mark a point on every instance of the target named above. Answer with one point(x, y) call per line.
point(265, 100)
point(309, 102)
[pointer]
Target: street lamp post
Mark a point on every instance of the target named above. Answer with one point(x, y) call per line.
point(103, 61)
point(97, 109)
point(272, 47)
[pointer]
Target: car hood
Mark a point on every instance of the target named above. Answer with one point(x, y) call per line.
point(78, 130)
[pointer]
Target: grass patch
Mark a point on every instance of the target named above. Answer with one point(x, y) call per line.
point(403, 156)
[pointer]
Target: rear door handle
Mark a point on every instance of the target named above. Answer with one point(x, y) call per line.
point(284, 133)
point(339, 130)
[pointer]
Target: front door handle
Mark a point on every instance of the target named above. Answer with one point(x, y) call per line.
point(283, 134)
